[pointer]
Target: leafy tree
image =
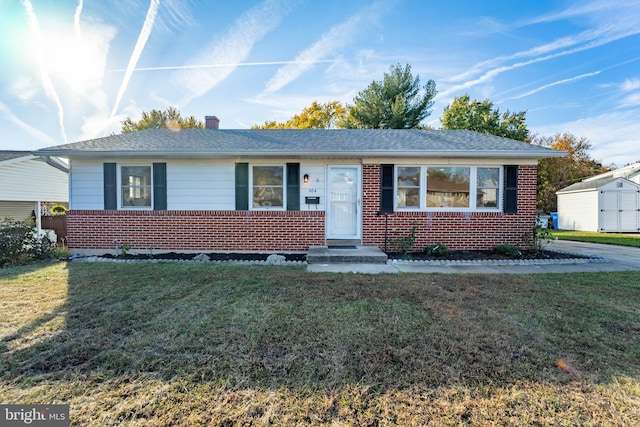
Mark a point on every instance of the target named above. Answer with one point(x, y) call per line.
point(483, 117)
point(558, 172)
point(317, 116)
point(393, 103)
point(155, 119)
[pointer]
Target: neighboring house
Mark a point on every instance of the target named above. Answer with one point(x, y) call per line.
point(286, 190)
point(27, 180)
point(609, 202)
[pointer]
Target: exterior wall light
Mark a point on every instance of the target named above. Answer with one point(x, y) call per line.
point(305, 178)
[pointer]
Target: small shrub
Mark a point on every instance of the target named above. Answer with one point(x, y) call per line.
point(60, 253)
point(404, 244)
point(538, 239)
point(439, 249)
point(512, 251)
point(19, 243)
point(126, 247)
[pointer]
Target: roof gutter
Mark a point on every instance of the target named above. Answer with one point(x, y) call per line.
point(55, 164)
point(235, 154)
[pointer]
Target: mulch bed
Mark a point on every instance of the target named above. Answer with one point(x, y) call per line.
point(481, 255)
point(213, 256)
point(453, 255)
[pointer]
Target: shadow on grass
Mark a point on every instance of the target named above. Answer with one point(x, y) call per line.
point(270, 327)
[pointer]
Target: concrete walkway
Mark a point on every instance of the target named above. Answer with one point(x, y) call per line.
point(620, 258)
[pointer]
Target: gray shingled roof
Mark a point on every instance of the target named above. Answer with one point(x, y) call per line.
point(586, 185)
point(11, 154)
point(302, 142)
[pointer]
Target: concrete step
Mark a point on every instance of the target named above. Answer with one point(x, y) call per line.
point(346, 255)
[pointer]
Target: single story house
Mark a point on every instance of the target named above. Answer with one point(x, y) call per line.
point(609, 202)
point(198, 190)
point(27, 180)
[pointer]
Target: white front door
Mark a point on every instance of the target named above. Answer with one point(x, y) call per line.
point(343, 202)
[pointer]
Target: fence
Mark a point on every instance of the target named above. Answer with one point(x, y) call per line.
point(57, 223)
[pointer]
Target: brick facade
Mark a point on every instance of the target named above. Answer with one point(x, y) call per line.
point(298, 230)
point(196, 230)
point(457, 230)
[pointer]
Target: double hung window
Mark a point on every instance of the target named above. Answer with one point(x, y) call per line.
point(268, 187)
point(136, 187)
point(408, 187)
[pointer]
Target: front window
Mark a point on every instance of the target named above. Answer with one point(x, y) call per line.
point(408, 187)
point(448, 187)
point(136, 186)
point(488, 187)
point(268, 186)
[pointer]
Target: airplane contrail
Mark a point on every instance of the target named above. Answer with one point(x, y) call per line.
point(42, 66)
point(242, 64)
point(559, 82)
point(135, 55)
point(76, 21)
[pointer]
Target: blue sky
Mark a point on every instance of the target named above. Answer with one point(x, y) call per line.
point(73, 70)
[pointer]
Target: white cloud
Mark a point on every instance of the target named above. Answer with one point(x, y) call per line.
point(615, 137)
point(30, 130)
point(232, 48)
point(632, 100)
point(24, 88)
point(630, 85)
point(327, 45)
point(615, 24)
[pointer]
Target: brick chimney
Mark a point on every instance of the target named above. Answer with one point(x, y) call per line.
point(211, 122)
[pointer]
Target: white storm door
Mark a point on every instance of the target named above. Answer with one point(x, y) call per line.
point(343, 202)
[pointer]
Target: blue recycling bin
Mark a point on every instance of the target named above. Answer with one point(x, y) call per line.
point(554, 218)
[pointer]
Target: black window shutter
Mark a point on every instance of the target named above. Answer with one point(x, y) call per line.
point(386, 188)
point(511, 189)
point(110, 186)
point(293, 186)
point(242, 186)
point(159, 186)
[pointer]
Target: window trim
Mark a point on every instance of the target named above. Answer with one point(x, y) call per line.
point(473, 189)
point(119, 187)
point(284, 187)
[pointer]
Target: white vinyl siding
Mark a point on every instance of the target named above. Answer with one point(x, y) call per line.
point(33, 180)
point(86, 185)
point(200, 185)
point(16, 210)
point(578, 211)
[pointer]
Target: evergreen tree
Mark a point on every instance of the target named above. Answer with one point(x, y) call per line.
point(393, 103)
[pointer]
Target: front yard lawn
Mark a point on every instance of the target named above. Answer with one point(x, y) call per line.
point(593, 237)
point(185, 344)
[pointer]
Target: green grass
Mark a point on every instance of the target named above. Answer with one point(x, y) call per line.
point(178, 344)
point(593, 237)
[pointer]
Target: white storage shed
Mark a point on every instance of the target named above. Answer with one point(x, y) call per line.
point(609, 202)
